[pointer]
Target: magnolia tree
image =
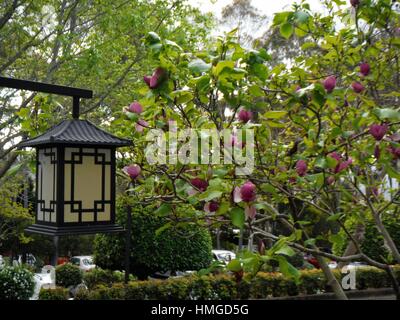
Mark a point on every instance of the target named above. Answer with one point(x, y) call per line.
point(222, 138)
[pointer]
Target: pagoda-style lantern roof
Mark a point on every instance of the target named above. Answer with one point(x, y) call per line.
point(76, 132)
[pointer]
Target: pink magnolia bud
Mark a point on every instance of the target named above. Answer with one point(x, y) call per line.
point(140, 125)
point(364, 68)
point(147, 80)
point(199, 183)
point(354, 3)
point(330, 84)
point(157, 77)
point(301, 168)
point(375, 191)
point(245, 115)
point(248, 192)
point(377, 152)
point(357, 87)
point(133, 171)
point(330, 180)
point(335, 156)
point(343, 165)
point(378, 131)
point(261, 247)
point(211, 206)
point(394, 151)
point(292, 180)
point(136, 107)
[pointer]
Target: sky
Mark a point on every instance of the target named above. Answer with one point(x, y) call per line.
point(268, 7)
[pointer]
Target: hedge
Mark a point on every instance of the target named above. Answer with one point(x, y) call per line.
point(224, 286)
point(154, 247)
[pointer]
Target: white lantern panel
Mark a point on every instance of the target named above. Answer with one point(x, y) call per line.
point(47, 185)
point(87, 193)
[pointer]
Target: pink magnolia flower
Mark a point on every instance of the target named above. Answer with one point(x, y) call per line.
point(250, 212)
point(236, 195)
point(378, 131)
point(394, 151)
point(343, 165)
point(357, 87)
point(330, 83)
point(301, 168)
point(140, 125)
point(248, 191)
point(211, 206)
point(156, 79)
point(199, 183)
point(136, 107)
point(364, 68)
point(335, 156)
point(133, 171)
point(245, 115)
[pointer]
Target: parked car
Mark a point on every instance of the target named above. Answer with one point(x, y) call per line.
point(85, 263)
point(223, 256)
point(1, 261)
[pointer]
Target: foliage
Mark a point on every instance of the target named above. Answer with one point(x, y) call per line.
point(154, 249)
point(68, 275)
point(16, 283)
point(317, 156)
point(98, 276)
point(14, 217)
point(372, 243)
point(59, 293)
point(225, 287)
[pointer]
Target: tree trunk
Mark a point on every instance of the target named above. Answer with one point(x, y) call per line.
point(386, 236)
point(351, 249)
point(332, 281)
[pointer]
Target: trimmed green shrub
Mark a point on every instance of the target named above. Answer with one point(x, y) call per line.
point(16, 283)
point(68, 275)
point(59, 293)
point(98, 276)
point(225, 287)
point(171, 249)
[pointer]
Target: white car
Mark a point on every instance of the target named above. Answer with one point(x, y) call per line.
point(1, 261)
point(223, 256)
point(85, 263)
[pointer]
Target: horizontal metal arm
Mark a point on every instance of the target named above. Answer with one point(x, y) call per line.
point(76, 93)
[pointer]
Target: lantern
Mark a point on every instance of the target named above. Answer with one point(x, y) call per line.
point(75, 179)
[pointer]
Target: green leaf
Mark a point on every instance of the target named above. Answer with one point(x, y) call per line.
point(286, 30)
point(237, 217)
point(210, 195)
point(287, 269)
point(153, 38)
point(199, 66)
point(275, 114)
point(394, 174)
point(182, 96)
point(234, 265)
point(301, 16)
point(223, 65)
point(281, 17)
point(286, 250)
point(163, 228)
point(163, 210)
point(387, 113)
